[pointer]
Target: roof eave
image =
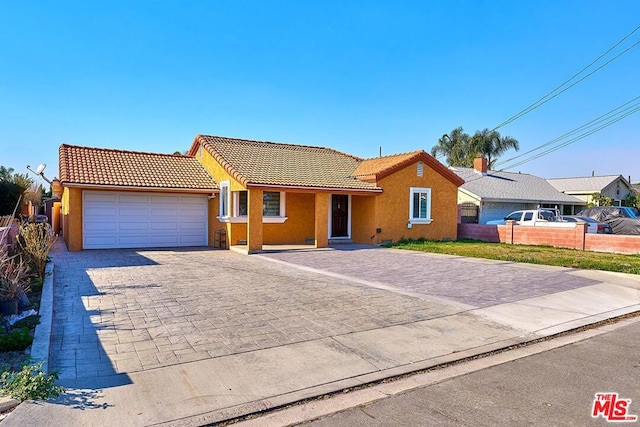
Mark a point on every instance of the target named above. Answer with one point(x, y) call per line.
point(509, 199)
point(319, 189)
point(430, 161)
point(138, 188)
point(228, 167)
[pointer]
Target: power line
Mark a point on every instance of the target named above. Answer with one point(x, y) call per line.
point(571, 141)
point(590, 123)
point(549, 96)
point(577, 138)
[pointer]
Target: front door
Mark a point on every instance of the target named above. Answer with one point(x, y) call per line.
point(339, 215)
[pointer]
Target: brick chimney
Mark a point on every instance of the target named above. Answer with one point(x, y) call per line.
point(480, 165)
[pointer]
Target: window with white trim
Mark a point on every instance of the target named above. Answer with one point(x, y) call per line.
point(273, 207)
point(241, 206)
point(420, 205)
point(273, 203)
point(224, 199)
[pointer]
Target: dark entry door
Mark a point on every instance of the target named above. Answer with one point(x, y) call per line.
point(339, 215)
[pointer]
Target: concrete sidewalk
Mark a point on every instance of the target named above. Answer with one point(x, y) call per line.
point(189, 337)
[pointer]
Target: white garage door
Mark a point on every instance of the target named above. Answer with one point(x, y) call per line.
point(139, 220)
point(495, 210)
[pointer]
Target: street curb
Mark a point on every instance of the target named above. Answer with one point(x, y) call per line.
point(8, 403)
point(42, 335)
point(323, 406)
point(274, 404)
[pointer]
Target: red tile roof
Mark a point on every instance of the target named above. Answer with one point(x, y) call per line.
point(100, 166)
point(277, 164)
point(377, 168)
point(374, 166)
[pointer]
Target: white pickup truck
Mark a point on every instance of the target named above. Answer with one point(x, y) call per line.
point(535, 217)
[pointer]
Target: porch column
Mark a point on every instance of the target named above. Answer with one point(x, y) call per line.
point(254, 221)
point(322, 220)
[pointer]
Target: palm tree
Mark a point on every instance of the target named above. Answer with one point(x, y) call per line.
point(455, 146)
point(22, 180)
point(6, 174)
point(490, 144)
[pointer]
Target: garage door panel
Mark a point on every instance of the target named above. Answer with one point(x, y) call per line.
point(186, 240)
point(191, 213)
point(131, 220)
point(100, 197)
point(166, 240)
point(101, 211)
point(159, 214)
point(193, 200)
point(101, 242)
point(192, 226)
point(100, 228)
point(133, 211)
point(131, 225)
point(135, 241)
point(165, 200)
point(134, 198)
point(164, 226)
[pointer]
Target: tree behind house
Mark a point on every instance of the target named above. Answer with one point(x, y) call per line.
point(460, 149)
point(490, 145)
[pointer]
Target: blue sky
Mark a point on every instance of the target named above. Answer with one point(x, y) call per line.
point(354, 76)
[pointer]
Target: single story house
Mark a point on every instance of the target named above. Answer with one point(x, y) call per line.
point(259, 193)
point(492, 195)
point(614, 186)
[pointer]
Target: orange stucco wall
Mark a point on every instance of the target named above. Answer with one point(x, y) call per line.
point(72, 218)
point(254, 220)
point(299, 208)
point(299, 225)
point(363, 220)
point(389, 211)
point(321, 220)
point(392, 206)
point(235, 232)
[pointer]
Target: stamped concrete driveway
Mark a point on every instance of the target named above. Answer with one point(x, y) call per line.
point(189, 337)
point(123, 311)
point(471, 282)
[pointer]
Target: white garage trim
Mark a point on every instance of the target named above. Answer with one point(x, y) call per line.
point(112, 219)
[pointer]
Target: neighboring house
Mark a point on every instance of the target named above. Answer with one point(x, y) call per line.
point(614, 186)
point(260, 193)
point(495, 194)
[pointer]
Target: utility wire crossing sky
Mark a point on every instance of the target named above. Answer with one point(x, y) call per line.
point(353, 76)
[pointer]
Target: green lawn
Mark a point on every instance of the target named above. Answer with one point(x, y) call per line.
point(544, 255)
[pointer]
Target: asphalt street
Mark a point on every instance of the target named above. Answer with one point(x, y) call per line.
point(552, 388)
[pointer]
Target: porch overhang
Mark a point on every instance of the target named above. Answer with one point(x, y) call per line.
point(305, 189)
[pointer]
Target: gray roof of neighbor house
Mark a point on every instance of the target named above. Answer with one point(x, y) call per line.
point(510, 186)
point(586, 184)
point(120, 168)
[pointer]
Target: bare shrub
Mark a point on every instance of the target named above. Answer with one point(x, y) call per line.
point(14, 276)
point(36, 240)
